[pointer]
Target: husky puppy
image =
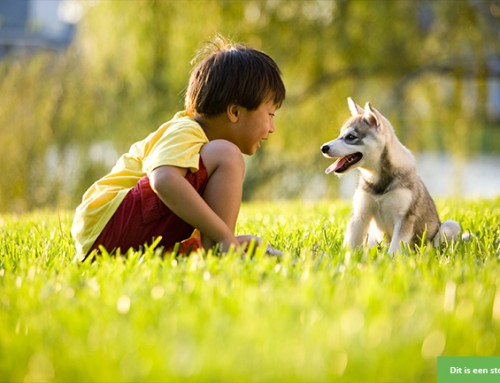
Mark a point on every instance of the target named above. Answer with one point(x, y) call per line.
point(389, 192)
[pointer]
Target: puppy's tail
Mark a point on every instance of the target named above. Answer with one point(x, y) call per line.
point(448, 231)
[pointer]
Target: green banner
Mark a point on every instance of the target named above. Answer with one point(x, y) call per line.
point(468, 369)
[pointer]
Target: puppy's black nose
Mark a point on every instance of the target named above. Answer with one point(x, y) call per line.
point(325, 148)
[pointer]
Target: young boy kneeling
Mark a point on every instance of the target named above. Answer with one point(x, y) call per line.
point(189, 173)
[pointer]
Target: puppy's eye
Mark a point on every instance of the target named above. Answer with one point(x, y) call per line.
point(350, 137)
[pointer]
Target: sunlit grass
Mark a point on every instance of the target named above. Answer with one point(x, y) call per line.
point(317, 314)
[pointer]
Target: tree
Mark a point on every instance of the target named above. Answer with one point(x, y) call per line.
point(65, 117)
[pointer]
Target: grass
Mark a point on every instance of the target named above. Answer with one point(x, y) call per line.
point(318, 314)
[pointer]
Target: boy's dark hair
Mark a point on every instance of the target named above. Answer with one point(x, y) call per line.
point(228, 73)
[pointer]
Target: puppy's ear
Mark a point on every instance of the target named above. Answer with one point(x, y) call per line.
point(370, 115)
point(355, 109)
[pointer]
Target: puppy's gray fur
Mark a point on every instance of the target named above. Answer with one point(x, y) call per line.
point(389, 193)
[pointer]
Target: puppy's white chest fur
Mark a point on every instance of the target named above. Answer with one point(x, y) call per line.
point(388, 209)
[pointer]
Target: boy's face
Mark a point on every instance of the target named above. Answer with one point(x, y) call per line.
point(254, 126)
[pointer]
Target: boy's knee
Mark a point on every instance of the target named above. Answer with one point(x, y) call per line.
point(224, 153)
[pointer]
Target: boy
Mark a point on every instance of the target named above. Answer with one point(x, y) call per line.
point(189, 173)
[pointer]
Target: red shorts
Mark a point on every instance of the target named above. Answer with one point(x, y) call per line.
point(142, 217)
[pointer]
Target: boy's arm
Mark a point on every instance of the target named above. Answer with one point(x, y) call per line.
point(178, 195)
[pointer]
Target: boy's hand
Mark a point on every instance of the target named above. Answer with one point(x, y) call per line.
point(227, 244)
point(247, 238)
point(273, 251)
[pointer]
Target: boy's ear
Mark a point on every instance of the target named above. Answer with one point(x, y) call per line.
point(233, 112)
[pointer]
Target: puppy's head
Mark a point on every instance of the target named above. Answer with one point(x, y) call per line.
point(358, 140)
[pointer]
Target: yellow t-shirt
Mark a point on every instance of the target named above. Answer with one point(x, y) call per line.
point(176, 143)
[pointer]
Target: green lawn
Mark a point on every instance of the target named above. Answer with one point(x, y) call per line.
point(317, 314)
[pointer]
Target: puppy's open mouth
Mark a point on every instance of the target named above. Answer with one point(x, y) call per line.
point(344, 163)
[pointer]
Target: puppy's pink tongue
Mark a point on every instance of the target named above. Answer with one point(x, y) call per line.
point(331, 168)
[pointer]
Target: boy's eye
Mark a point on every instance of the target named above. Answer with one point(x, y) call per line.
point(271, 114)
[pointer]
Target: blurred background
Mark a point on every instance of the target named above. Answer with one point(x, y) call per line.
point(81, 80)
